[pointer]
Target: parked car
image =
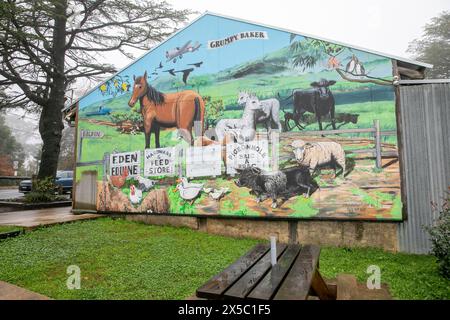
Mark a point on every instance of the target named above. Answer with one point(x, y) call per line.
point(25, 186)
point(63, 181)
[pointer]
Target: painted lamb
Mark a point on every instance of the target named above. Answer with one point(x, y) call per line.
point(314, 155)
point(244, 129)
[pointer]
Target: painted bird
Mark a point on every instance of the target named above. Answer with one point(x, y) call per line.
point(171, 71)
point(119, 181)
point(216, 194)
point(186, 73)
point(351, 65)
point(145, 184)
point(333, 63)
point(188, 190)
point(359, 69)
point(135, 195)
point(197, 65)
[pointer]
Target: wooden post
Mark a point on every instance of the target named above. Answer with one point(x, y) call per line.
point(197, 129)
point(80, 147)
point(376, 124)
point(274, 140)
point(105, 180)
point(180, 161)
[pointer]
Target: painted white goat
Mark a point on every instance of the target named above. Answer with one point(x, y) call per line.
point(243, 129)
point(270, 110)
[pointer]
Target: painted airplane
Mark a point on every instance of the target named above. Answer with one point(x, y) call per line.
point(177, 53)
point(194, 47)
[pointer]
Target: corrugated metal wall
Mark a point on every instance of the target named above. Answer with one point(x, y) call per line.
point(425, 116)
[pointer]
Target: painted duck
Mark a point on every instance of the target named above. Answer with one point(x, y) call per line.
point(189, 191)
point(217, 194)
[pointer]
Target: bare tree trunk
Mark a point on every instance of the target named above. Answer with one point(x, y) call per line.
point(50, 122)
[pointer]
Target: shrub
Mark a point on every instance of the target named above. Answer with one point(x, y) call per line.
point(45, 185)
point(440, 238)
point(37, 197)
point(214, 110)
point(43, 190)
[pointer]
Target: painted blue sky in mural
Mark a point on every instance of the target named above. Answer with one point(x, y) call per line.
point(207, 28)
point(214, 60)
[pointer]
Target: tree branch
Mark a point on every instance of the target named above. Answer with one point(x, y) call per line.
point(383, 82)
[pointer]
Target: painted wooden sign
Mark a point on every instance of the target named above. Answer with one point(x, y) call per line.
point(91, 134)
point(129, 161)
point(203, 161)
point(248, 155)
point(159, 162)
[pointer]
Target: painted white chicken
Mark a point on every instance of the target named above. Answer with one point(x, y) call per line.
point(189, 191)
point(135, 195)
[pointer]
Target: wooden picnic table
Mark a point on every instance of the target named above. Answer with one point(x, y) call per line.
point(296, 276)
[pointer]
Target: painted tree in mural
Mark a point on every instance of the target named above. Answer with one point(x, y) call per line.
point(308, 52)
point(47, 45)
point(199, 82)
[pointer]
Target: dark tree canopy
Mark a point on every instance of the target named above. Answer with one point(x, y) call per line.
point(434, 46)
point(46, 45)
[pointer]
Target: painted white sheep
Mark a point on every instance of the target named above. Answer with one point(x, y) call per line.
point(316, 154)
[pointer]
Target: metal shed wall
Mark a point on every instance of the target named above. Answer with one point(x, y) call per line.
point(425, 118)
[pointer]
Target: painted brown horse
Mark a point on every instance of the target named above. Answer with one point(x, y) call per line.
point(179, 109)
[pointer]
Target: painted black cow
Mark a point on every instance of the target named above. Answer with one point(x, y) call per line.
point(319, 100)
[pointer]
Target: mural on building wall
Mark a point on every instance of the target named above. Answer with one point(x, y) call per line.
point(235, 119)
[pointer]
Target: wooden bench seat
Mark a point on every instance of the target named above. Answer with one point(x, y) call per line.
point(295, 276)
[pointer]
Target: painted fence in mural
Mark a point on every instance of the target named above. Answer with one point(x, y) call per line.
point(231, 122)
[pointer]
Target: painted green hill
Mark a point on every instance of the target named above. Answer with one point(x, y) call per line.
point(267, 77)
point(117, 104)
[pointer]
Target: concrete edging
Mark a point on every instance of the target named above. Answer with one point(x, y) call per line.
point(19, 206)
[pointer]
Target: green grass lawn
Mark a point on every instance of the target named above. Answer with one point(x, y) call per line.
point(118, 260)
point(127, 260)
